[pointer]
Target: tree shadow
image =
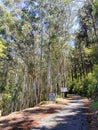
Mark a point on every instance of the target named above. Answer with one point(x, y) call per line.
point(16, 124)
point(68, 122)
point(27, 118)
point(41, 110)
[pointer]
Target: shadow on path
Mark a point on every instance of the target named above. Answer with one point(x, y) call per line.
point(71, 117)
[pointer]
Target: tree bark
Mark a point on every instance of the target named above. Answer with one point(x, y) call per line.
point(49, 79)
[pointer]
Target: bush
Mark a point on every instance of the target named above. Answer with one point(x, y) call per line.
point(84, 86)
point(2, 88)
point(70, 86)
point(95, 72)
point(6, 101)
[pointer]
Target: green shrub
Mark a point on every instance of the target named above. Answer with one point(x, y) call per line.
point(6, 101)
point(84, 86)
point(94, 104)
point(6, 98)
point(95, 72)
point(2, 88)
point(70, 86)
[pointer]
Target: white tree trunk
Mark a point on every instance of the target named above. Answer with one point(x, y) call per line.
point(49, 79)
point(59, 78)
point(14, 93)
point(35, 87)
point(23, 90)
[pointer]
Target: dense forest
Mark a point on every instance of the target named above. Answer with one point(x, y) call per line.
point(36, 56)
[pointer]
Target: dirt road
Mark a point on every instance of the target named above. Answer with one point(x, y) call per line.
point(71, 117)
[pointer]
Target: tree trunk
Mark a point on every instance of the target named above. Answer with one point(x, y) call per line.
point(49, 79)
point(40, 73)
point(35, 91)
point(23, 90)
point(59, 79)
point(14, 94)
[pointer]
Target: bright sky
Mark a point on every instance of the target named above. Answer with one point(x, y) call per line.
point(74, 6)
point(0, 2)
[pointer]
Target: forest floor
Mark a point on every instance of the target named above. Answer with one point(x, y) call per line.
point(65, 113)
point(30, 117)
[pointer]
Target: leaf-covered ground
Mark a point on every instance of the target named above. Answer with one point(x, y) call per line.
point(31, 117)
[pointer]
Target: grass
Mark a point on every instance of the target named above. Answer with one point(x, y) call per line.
point(94, 105)
point(57, 100)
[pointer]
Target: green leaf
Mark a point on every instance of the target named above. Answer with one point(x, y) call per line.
point(2, 47)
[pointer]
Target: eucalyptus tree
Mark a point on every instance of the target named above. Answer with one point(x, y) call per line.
point(88, 24)
point(35, 34)
point(56, 20)
point(18, 50)
point(84, 54)
point(84, 42)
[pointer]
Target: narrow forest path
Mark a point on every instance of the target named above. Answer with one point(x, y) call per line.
point(67, 116)
point(71, 117)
